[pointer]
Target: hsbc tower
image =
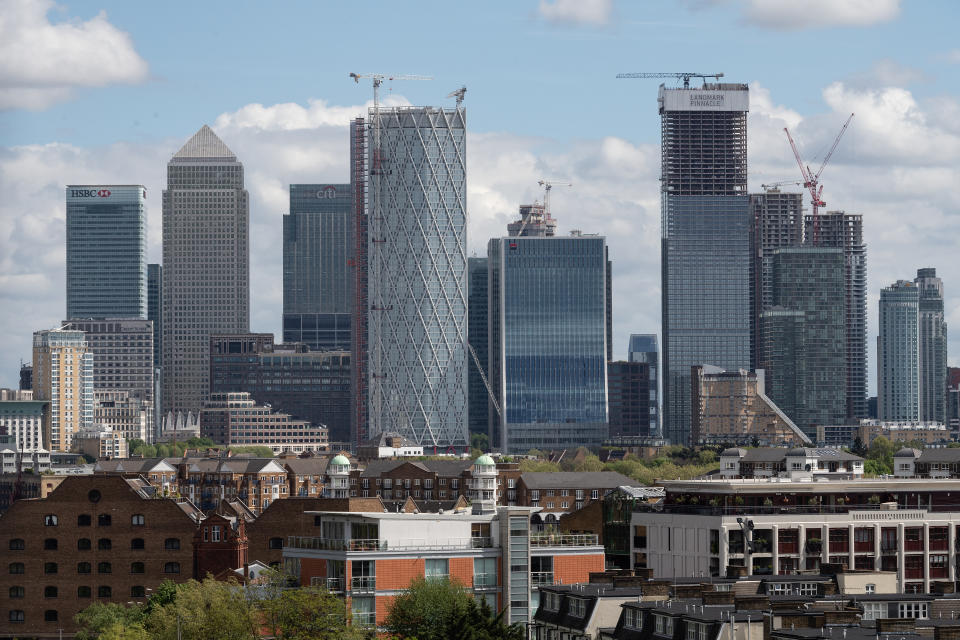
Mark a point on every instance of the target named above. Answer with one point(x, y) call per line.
point(106, 251)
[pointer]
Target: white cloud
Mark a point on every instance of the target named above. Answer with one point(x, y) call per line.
point(790, 14)
point(593, 12)
point(41, 62)
point(952, 56)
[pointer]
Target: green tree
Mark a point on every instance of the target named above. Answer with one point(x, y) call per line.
point(120, 631)
point(589, 463)
point(479, 441)
point(202, 610)
point(480, 623)
point(96, 619)
point(538, 465)
point(858, 448)
point(199, 443)
point(428, 610)
point(306, 614)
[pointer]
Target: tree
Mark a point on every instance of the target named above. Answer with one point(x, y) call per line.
point(99, 617)
point(858, 448)
point(538, 465)
point(306, 614)
point(479, 441)
point(480, 623)
point(428, 610)
point(120, 631)
point(208, 609)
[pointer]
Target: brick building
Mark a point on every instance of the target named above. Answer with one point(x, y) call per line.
point(560, 492)
point(219, 543)
point(423, 479)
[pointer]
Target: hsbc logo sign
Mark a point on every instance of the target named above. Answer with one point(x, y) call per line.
point(89, 193)
point(327, 193)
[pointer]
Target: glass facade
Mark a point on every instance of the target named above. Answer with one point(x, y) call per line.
point(645, 348)
point(317, 283)
point(155, 307)
point(417, 275)
point(548, 341)
point(106, 251)
point(933, 347)
point(477, 309)
point(898, 353)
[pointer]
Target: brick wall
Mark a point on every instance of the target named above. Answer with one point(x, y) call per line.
point(399, 573)
point(576, 568)
point(461, 570)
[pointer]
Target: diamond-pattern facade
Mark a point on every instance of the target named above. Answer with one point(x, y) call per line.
point(418, 276)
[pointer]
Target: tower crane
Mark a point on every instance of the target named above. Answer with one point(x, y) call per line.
point(811, 181)
point(377, 79)
point(780, 183)
point(458, 94)
point(547, 186)
point(685, 76)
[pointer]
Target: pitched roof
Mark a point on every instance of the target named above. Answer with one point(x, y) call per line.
point(376, 467)
point(205, 144)
point(939, 455)
point(307, 466)
point(576, 479)
point(447, 467)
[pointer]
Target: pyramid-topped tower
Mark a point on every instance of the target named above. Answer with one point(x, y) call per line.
point(205, 144)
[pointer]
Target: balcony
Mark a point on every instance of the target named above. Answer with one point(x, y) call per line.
point(372, 544)
point(541, 578)
point(332, 584)
point(484, 580)
point(364, 618)
point(363, 583)
point(564, 540)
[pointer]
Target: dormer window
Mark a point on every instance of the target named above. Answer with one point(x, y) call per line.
point(578, 607)
point(663, 625)
point(633, 619)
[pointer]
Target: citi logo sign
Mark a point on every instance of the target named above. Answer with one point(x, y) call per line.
point(89, 193)
point(327, 193)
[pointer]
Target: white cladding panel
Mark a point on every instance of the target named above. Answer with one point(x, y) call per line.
point(704, 99)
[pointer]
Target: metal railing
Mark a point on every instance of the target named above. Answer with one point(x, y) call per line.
point(484, 580)
point(364, 618)
point(541, 578)
point(363, 583)
point(413, 544)
point(564, 540)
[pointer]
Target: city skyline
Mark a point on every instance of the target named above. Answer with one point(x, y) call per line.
point(613, 170)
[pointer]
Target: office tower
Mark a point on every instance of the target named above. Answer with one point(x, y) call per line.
point(26, 377)
point(845, 231)
point(206, 268)
point(359, 354)
point(155, 309)
point(309, 385)
point(548, 352)
point(777, 222)
point(106, 251)
point(706, 240)
point(417, 275)
point(805, 344)
point(63, 376)
point(898, 353)
point(953, 398)
point(644, 347)
point(124, 413)
point(122, 351)
point(479, 408)
point(631, 405)
point(318, 244)
point(933, 347)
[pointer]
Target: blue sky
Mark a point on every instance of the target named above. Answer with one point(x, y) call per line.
point(106, 91)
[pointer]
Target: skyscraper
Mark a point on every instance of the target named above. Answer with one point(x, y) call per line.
point(778, 222)
point(898, 353)
point(644, 347)
point(706, 240)
point(417, 275)
point(359, 353)
point(479, 399)
point(933, 347)
point(206, 283)
point(548, 351)
point(845, 231)
point(106, 251)
point(155, 308)
point(317, 283)
point(63, 376)
point(805, 342)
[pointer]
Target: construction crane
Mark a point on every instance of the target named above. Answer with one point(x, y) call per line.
point(811, 181)
point(458, 94)
point(682, 76)
point(377, 79)
point(774, 185)
point(547, 186)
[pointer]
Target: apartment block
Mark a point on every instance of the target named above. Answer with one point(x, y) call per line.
point(63, 377)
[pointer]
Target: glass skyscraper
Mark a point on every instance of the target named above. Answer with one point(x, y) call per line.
point(417, 275)
point(479, 340)
point(933, 347)
point(898, 353)
point(155, 307)
point(106, 251)
point(548, 351)
point(318, 244)
point(706, 239)
point(644, 347)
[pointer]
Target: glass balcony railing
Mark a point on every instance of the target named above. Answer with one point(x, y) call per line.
point(481, 580)
point(363, 583)
point(372, 544)
point(541, 578)
point(364, 618)
point(564, 540)
point(335, 584)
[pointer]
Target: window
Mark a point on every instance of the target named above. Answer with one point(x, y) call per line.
point(83, 520)
point(104, 592)
point(104, 520)
point(171, 544)
point(913, 610)
point(633, 619)
point(50, 615)
point(84, 592)
point(83, 544)
point(276, 543)
point(83, 567)
point(578, 607)
point(551, 601)
point(137, 520)
point(49, 592)
point(171, 567)
point(17, 544)
point(136, 567)
point(17, 592)
point(364, 611)
point(697, 630)
point(484, 572)
point(50, 520)
point(16, 615)
point(104, 544)
point(663, 625)
point(49, 567)
point(216, 533)
point(104, 567)
point(137, 543)
point(437, 568)
point(594, 494)
point(870, 588)
point(138, 592)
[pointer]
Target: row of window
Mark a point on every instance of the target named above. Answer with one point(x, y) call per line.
point(85, 544)
point(84, 520)
point(19, 568)
point(19, 592)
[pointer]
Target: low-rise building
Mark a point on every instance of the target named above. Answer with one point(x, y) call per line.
point(236, 419)
point(124, 413)
point(798, 462)
point(558, 492)
point(927, 463)
point(420, 480)
point(389, 444)
point(23, 419)
point(99, 442)
point(844, 435)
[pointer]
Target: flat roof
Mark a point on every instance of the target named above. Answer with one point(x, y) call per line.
point(811, 485)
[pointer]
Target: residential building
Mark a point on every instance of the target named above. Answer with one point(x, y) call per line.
point(27, 486)
point(311, 386)
point(953, 398)
point(631, 399)
point(63, 377)
point(845, 435)
point(843, 230)
point(14, 459)
point(645, 348)
point(898, 353)
point(106, 251)
point(417, 276)
point(548, 342)
point(389, 445)
point(777, 223)
point(421, 479)
point(784, 526)
point(797, 462)
point(237, 419)
point(206, 263)
point(803, 356)
point(706, 240)
point(731, 407)
point(477, 327)
point(318, 245)
point(558, 492)
point(122, 361)
point(100, 442)
point(932, 332)
point(23, 419)
point(927, 463)
point(581, 610)
point(127, 415)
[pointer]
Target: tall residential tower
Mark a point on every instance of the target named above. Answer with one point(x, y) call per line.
point(933, 347)
point(898, 353)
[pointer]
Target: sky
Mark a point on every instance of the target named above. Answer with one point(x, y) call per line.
point(106, 91)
